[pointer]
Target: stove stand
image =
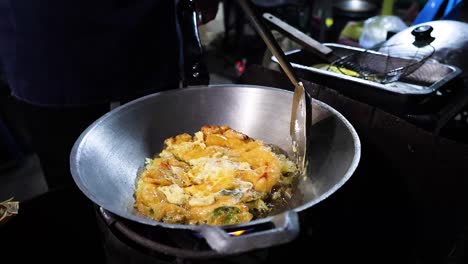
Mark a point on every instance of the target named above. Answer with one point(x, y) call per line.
point(128, 242)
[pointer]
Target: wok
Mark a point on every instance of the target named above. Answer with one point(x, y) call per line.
point(106, 157)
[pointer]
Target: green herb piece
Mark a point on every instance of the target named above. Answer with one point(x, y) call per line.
point(226, 214)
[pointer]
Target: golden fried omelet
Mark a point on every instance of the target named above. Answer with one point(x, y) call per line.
point(218, 176)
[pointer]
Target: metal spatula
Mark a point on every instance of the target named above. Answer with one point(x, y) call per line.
point(307, 42)
point(301, 114)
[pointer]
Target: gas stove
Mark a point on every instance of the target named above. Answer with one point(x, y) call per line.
point(314, 242)
point(387, 213)
point(345, 227)
point(405, 203)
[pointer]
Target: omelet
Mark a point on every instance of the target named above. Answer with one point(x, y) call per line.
point(218, 176)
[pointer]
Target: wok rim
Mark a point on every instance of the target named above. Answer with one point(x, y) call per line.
point(76, 152)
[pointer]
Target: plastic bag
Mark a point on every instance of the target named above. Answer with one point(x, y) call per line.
point(376, 28)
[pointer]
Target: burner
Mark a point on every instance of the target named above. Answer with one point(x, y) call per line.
point(125, 240)
point(323, 236)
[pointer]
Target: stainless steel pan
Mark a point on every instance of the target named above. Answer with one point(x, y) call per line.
point(106, 157)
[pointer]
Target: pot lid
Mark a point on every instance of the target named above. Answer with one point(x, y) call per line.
point(450, 41)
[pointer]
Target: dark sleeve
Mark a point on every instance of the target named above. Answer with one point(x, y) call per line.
point(83, 51)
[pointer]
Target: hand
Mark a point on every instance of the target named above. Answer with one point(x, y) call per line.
point(206, 10)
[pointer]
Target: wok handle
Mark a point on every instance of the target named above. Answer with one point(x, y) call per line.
point(285, 229)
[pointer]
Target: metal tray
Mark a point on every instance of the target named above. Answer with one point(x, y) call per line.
point(397, 96)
